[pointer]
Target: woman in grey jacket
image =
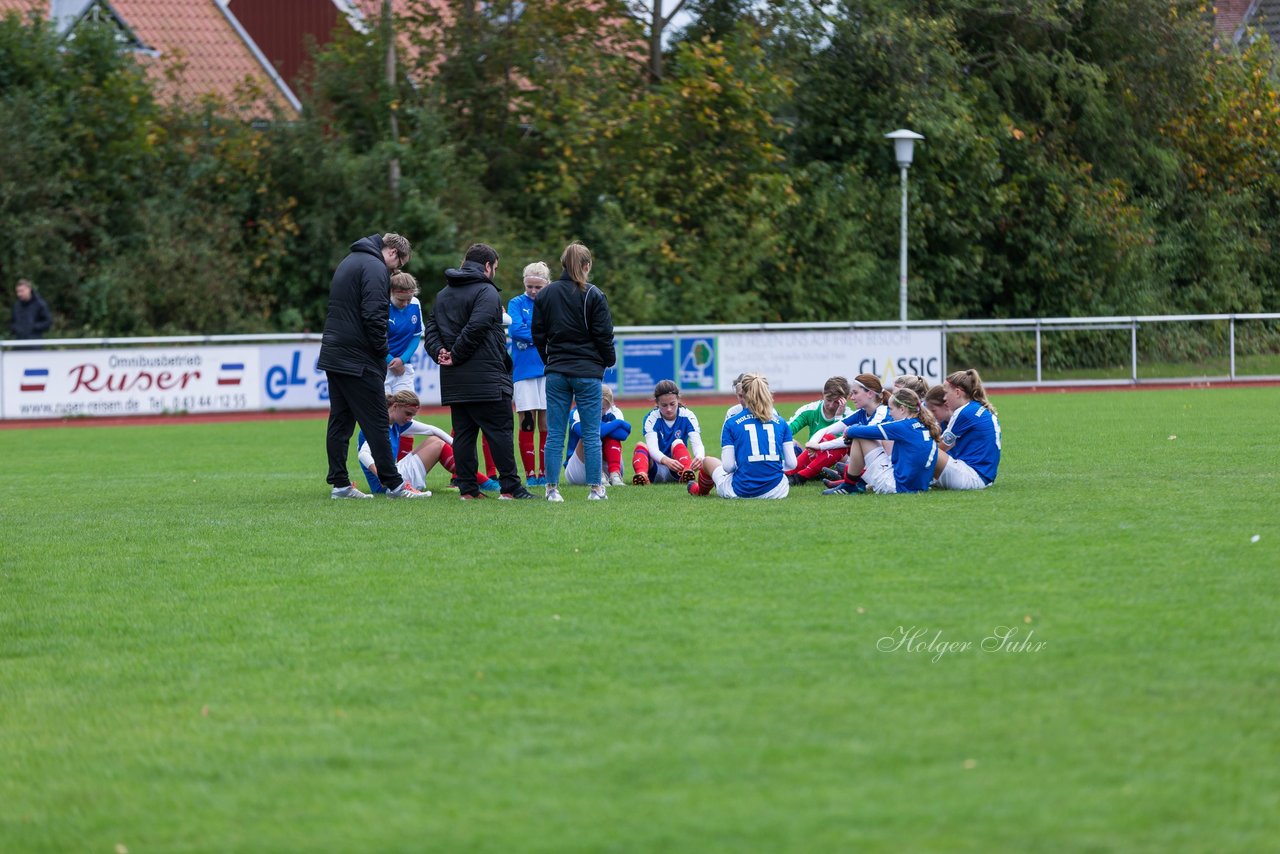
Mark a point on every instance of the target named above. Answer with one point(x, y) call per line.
point(573, 331)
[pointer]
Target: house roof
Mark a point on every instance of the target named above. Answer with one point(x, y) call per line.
point(216, 56)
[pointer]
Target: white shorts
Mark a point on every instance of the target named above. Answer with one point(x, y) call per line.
point(575, 471)
point(724, 486)
point(958, 475)
point(879, 473)
point(393, 383)
point(413, 472)
point(531, 394)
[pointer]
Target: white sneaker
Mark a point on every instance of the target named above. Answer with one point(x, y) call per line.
point(553, 494)
point(347, 492)
point(404, 490)
point(597, 493)
point(615, 479)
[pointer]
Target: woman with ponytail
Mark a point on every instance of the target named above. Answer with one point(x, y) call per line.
point(573, 331)
point(756, 449)
point(972, 437)
point(914, 434)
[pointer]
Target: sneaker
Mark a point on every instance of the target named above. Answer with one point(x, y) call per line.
point(520, 494)
point(688, 476)
point(348, 491)
point(832, 482)
point(537, 481)
point(405, 490)
point(844, 488)
point(641, 479)
point(615, 479)
point(553, 494)
point(832, 474)
point(842, 467)
point(694, 489)
point(473, 496)
point(795, 480)
point(453, 484)
point(597, 493)
point(491, 485)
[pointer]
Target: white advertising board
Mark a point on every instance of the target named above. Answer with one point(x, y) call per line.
point(803, 360)
point(62, 383)
point(291, 380)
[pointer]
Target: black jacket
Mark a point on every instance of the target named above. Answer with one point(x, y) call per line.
point(573, 330)
point(355, 329)
point(466, 320)
point(31, 319)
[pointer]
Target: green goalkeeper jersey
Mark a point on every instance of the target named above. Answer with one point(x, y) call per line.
point(810, 416)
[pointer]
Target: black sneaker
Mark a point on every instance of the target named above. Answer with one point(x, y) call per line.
point(519, 495)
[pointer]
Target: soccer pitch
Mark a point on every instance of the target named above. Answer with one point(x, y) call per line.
point(200, 651)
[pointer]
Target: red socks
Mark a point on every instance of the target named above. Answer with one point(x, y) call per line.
point(526, 453)
point(640, 459)
point(612, 449)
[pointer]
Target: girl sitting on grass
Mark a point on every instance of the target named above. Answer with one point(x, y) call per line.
point(972, 437)
point(816, 417)
point(413, 466)
point(613, 432)
point(913, 434)
point(756, 449)
point(672, 447)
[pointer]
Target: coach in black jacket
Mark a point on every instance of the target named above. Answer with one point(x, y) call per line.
point(465, 335)
point(353, 355)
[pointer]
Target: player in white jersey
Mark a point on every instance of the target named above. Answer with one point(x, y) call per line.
point(413, 467)
point(756, 450)
point(672, 447)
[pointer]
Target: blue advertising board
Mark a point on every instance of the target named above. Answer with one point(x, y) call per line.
point(645, 361)
point(697, 364)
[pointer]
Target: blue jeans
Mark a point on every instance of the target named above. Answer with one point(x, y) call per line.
point(561, 391)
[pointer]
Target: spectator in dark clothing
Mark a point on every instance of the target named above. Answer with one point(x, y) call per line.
point(31, 318)
point(573, 331)
point(465, 335)
point(353, 355)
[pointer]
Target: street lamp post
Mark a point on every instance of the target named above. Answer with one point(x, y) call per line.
point(904, 143)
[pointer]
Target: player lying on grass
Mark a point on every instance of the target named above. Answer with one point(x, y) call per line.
point(827, 447)
point(813, 418)
point(413, 467)
point(672, 447)
point(911, 435)
point(972, 436)
point(756, 450)
point(613, 432)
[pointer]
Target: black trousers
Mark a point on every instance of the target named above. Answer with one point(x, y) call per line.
point(494, 418)
point(359, 399)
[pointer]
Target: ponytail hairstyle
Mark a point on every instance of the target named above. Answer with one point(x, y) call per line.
point(606, 398)
point(758, 397)
point(970, 383)
point(916, 383)
point(666, 387)
point(404, 397)
point(871, 382)
point(937, 396)
point(576, 260)
point(910, 401)
point(836, 387)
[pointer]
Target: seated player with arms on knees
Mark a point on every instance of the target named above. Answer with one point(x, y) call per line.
point(413, 467)
point(828, 446)
point(614, 430)
point(672, 448)
point(814, 418)
point(756, 449)
point(912, 435)
point(972, 436)
point(935, 400)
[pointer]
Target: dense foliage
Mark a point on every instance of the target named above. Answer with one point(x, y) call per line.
point(1082, 157)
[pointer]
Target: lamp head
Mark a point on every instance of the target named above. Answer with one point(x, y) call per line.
point(904, 143)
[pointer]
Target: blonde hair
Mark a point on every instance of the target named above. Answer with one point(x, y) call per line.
point(576, 260)
point(404, 282)
point(538, 269)
point(757, 396)
point(606, 397)
point(916, 383)
point(970, 383)
point(910, 401)
point(404, 397)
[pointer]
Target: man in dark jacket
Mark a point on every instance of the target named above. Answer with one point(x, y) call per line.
point(31, 318)
point(465, 335)
point(353, 355)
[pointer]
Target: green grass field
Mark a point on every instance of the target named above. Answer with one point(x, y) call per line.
point(199, 651)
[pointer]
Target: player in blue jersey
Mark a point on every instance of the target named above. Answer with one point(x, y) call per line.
point(672, 447)
point(404, 332)
point(912, 434)
point(528, 374)
point(614, 430)
point(413, 467)
point(828, 446)
point(756, 449)
point(972, 437)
